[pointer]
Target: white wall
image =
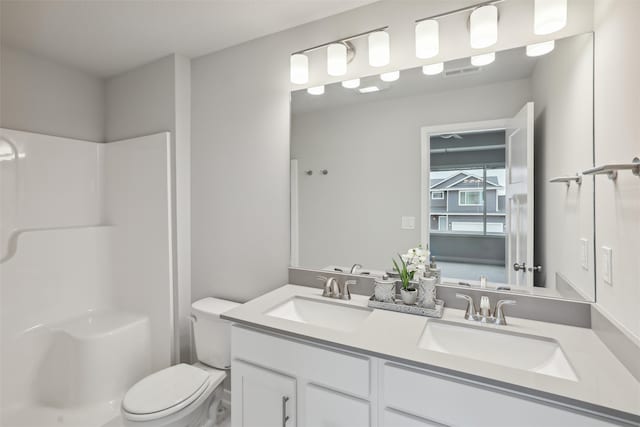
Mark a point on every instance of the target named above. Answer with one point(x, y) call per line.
point(373, 154)
point(617, 136)
point(562, 83)
point(140, 101)
point(240, 132)
point(154, 98)
point(182, 191)
point(42, 96)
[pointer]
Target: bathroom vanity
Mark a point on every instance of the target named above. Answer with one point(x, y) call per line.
point(301, 359)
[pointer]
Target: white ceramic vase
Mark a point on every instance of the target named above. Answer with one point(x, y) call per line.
point(409, 297)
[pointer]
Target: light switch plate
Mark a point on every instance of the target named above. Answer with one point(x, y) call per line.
point(584, 253)
point(408, 223)
point(607, 264)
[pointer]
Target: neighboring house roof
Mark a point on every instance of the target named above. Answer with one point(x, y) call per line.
point(463, 179)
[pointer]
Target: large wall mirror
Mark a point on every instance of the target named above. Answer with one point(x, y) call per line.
point(477, 163)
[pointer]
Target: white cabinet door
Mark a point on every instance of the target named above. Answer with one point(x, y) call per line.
point(392, 418)
point(327, 408)
point(262, 398)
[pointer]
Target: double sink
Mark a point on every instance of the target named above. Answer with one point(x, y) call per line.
point(498, 345)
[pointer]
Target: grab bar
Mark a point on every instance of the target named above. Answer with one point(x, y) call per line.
point(611, 169)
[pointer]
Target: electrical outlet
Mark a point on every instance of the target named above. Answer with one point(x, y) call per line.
point(584, 253)
point(607, 265)
point(408, 223)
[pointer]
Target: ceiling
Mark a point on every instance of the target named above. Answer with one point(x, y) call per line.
point(107, 37)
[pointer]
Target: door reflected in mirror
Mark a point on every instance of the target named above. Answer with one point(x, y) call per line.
point(458, 162)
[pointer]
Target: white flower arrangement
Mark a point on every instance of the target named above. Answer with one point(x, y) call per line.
point(417, 260)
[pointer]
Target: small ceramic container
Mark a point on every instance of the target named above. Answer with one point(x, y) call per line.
point(384, 289)
point(409, 297)
point(427, 292)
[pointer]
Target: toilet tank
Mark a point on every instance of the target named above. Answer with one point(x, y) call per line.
point(212, 335)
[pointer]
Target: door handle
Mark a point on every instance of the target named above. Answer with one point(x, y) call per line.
point(285, 417)
point(518, 267)
point(536, 268)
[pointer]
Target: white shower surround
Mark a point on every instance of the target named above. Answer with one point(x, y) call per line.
point(90, 240)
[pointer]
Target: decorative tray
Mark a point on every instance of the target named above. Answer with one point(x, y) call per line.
point(401, 307)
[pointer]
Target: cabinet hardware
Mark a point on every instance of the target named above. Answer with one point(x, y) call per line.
point(285, 417)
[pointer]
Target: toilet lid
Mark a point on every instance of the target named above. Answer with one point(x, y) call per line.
point(176, 386)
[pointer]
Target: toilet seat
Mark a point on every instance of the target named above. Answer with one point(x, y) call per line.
point(165, 392)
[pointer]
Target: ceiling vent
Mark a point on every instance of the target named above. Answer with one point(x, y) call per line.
point(462, 71)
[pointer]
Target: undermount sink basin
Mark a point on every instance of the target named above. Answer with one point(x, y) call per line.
point(526, 352)
point(328, 314)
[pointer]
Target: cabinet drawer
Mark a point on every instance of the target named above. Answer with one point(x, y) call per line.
point(392, 418)
point(324, 407)
point(447, 401)
point(334, 369)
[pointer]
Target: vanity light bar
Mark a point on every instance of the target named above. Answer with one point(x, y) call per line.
point(339, 53)
point(483, 33)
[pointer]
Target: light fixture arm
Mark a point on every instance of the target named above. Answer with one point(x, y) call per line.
point(344, 41)
point(461, 10)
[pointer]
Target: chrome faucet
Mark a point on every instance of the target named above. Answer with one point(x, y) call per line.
point(471, 312)
point(498, 313)
point(484, 315)
point(332, 288)
point(355, 268)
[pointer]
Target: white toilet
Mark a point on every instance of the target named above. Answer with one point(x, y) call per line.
point(186, 395)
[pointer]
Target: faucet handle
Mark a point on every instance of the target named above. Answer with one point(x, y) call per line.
point(471, 311)
point(345, 290)
point(498, 314)
point(327, 286)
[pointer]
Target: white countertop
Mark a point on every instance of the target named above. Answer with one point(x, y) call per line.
point(602, 380)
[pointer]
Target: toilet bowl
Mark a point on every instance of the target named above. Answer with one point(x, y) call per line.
point(186, 395)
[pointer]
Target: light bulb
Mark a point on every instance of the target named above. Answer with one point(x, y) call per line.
point(433, 69)
point(316, 90)
point(483, 27)
point(336, 59)
point(390, 76)
point(485, 59)
point(549, 16)
point(379, 49)
point(427, 39)
point(540, 49)
point(299, 69)
point(351, 84)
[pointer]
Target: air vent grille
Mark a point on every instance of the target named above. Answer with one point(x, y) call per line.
point(463, 71)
